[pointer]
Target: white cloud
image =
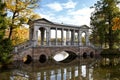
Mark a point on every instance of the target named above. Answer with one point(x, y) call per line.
point(60, 6)
point(74, 17)
point(51, 16)
point(82, 12)
point(78, 17)
point(69, 4)
point(55, 6)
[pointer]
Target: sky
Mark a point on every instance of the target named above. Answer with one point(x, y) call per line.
point(75, 12)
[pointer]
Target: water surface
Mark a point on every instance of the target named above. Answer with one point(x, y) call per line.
point(79, 69)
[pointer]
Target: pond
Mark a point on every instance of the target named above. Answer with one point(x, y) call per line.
point(107, 68)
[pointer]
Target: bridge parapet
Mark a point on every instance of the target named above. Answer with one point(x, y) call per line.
point(23, 46)
point(30, 44)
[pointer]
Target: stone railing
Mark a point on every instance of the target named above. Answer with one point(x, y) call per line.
point(64, 44)
point(23, 46)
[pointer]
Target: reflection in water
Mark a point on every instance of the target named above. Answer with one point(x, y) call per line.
point(108, 68)
point(84, 70)
point(91, 74)
point(79, 69)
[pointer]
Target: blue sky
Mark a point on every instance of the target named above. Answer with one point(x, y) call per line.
point(75, 12)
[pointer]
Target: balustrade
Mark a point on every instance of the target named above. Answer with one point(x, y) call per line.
point(23, 46)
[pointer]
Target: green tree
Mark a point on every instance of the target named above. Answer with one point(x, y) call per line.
point(5, 43)
point(2, 20)
point(102, 22)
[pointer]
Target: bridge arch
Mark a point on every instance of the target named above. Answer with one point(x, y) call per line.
point(91, 54)
point(59, 49)
point(43, 58)
point(27, 59)
point(85, 55)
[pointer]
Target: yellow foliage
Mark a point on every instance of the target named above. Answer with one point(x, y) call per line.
point(20, 35)
point(116, 23)
point(11, 7)
point(22, 11)
point(20, 7)
point(35, 16)
point(16, 5)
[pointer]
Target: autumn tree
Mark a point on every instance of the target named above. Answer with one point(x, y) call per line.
point(102, 22)
point(19, 12)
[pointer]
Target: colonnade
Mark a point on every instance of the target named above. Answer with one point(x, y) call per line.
point(69, 35)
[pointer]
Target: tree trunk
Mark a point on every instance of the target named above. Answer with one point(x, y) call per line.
point(11, 26)
point(10, 33)
point(110, 39)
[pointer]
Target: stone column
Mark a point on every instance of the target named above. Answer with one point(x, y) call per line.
point(80, 37)
point(67, 37)
point(56, 36)
point(37, 37)
point(47, 36)
point(87, 38)
point(72, 37)
point(62, 36)
point(35, 33)
point(31, 33)
point(42, 36)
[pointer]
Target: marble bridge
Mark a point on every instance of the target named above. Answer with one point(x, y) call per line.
point(48, 38)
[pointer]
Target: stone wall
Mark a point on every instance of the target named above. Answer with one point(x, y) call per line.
point(36, 52)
